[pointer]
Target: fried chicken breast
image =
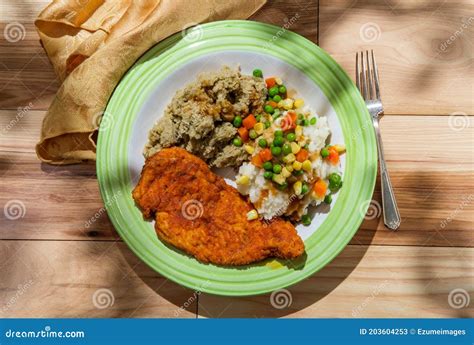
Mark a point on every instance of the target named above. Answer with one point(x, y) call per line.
point(198, 212)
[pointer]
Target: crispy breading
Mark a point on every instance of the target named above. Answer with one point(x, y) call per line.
point(198, 212)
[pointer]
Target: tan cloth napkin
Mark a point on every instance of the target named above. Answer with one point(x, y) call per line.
point(92, 43)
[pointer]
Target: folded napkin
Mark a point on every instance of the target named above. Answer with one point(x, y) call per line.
point(92, 43)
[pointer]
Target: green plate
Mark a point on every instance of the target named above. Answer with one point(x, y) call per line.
point(140, 98)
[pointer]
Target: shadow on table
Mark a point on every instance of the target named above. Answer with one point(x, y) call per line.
point(308, 291)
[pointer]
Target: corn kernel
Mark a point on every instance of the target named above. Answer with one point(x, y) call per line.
point(289, 158)
point(289, 167)
point(285, 173)
point(307, 165)
point(297, 165)
point(251, 215)
point(249, 149)
point(298, 103)
point(243, 180)
point(288, 103)
point(298, 131)
point(278, 178)
point(259, 127)
point(278, 81)
point(297, 187)
point(295, 148)
point(339, 148)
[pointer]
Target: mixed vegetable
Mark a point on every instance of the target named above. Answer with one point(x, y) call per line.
point(276, 142)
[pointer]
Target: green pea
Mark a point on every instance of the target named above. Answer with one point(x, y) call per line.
point(257, 73)
point(305, 122)
point(286, 149)
point(328, 199)
point(313, 121)
point(306, 220)
point(282, 89)
point(273, 91)
point(237, 121)
point(324, 152)
point(269, 109)
point(306, 147)
point(278, 133)
point(291, 136)
point(298, 172)
point(262, 143)
point(253, 134)
point(267, 124)
point(237, 142)
point(258, 118)
point(277, 168)
point(268, 166)
point(300, 116)
point(268, 175)
point(276, 151)
point(335, 182)
point(304, 188)
point(278, 141)
point(277, 98)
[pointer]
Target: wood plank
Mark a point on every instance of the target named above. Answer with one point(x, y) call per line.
point(26, 75)
point(82, 279)
point(432, 181)
point(366, 282)
point(296, 15)
point(424, 50)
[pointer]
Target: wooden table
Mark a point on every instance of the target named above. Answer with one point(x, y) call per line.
point(53, 265)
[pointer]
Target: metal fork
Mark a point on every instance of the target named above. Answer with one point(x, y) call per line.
point(367, 80)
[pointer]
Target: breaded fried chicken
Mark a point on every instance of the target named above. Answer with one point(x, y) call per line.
point(198, 212)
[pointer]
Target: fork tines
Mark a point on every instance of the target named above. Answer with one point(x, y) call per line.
point(367, 76)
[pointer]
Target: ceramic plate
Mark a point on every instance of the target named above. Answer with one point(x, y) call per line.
point(140, 99)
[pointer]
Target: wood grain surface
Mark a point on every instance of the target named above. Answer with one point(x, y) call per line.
point(61, 257)
point(424, 49)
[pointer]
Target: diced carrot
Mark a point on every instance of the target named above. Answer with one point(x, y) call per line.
point(270, 82)
point(289, 121)
point(333, 157)
point(257, 161)
point(302, 155)
point(320, 188)
point(244, 133)
point(265, 155)
point(273, 104)
point(249, 121)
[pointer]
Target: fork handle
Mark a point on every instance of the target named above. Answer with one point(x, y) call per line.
point(391, 215)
